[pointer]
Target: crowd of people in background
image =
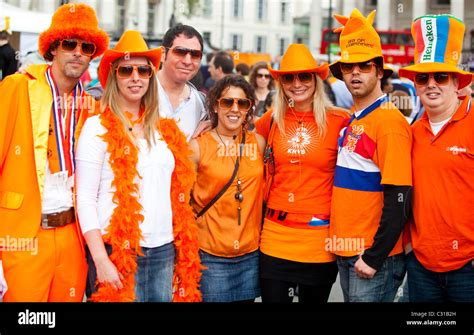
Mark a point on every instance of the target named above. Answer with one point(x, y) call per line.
point(174, 180)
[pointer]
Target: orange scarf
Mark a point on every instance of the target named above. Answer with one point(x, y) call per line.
point(124, 233)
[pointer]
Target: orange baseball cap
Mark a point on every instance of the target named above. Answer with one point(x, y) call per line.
point(359, 42)
point(298, 58)
point(131, 44)
point(438, 47)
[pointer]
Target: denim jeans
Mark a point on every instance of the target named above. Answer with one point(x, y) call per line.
point(229, 279)
point(154, 276)
point(381, 288)
point(428, 286)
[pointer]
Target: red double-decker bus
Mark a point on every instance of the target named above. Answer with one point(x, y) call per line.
point(397, 45)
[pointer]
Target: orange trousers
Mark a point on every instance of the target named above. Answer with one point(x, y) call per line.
point(52, 269)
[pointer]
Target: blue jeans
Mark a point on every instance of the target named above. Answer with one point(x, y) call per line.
point(230, 279)
point(154, 276)
point(381, 288)
point(428, 286)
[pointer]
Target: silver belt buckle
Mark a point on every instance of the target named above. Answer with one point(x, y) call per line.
point(44, 222)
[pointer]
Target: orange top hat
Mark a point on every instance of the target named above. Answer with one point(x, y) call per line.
point(74, 21)
point(359, 41)
point(438, 47)
point(298, 58)
point(131, 44)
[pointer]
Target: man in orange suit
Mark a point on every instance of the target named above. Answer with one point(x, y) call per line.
point(41, 115)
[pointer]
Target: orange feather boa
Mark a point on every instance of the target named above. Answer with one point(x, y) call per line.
point(124, 233)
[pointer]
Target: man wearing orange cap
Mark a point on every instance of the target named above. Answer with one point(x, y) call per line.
point(373, 172)
point(441, 266)
point(42, 114)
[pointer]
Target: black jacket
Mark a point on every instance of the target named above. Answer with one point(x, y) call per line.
point(8, 61)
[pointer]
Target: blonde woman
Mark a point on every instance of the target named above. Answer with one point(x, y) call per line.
point(301, 132)
point(133, 207)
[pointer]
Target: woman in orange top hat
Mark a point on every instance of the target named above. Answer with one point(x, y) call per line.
point(229, 226)
point(301, 131)
point(133, 181)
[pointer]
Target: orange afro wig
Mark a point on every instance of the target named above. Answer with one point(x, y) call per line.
point(74, 21)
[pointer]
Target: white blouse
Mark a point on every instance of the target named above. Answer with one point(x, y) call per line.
point(94, 189)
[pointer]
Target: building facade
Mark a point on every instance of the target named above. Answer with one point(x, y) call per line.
point(266, 26)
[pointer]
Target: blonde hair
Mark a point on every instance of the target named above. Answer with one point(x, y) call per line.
point(149, 102)
point(321, 105)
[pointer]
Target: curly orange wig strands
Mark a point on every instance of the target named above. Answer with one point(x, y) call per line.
point(73, 21)
point(124, 232)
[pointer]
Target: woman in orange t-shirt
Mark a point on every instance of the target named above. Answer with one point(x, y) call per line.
point(302, 131)
point(229, 230)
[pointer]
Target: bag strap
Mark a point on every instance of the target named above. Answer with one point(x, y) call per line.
point(269, 159)
point(226, 186)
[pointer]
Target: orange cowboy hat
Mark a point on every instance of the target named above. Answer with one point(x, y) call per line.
point(359, 42)
point(131, 44)
point(438, 47)
point(298, 58)
point(74, 21)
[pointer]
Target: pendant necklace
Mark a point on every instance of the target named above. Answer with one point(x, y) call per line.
point(238, 194)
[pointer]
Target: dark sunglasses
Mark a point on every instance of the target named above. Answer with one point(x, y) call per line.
point(182, 52)
point(441, 78)
point(87, 49)
point(243, 104)
point(261, 75)
point(303, 77)
point(363, 67)
point(144, 71)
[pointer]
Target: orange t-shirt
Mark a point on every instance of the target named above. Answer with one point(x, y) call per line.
point(443, 192)
point(374, 150)
point(219, 232)
point(302, 185)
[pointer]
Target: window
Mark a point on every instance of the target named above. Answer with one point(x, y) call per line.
point(207, 8)
point(236, 42)
point(443, 2)
point(121, 17)
point(283, 44)
point(151, 18)
point(206, 36)
point(261, 10)
point(373, 3)
point(237, 8)
point(260, 43)
point(284, 12)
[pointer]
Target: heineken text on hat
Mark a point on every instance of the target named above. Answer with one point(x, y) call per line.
point(438, 47)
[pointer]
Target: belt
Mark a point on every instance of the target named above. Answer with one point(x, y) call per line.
point(316, 221)
point(56, 220)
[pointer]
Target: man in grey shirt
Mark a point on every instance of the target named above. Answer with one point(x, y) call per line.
point(183, 46)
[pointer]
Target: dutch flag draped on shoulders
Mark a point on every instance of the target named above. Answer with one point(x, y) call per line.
point(355, 169)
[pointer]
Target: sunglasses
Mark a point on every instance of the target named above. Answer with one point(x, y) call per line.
point(303, 77)
point(441, 78)
point(243, 104)
point(87, 49)
point(182, 52)
point(144, 71)
point(364, 67)
point(261, 75)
